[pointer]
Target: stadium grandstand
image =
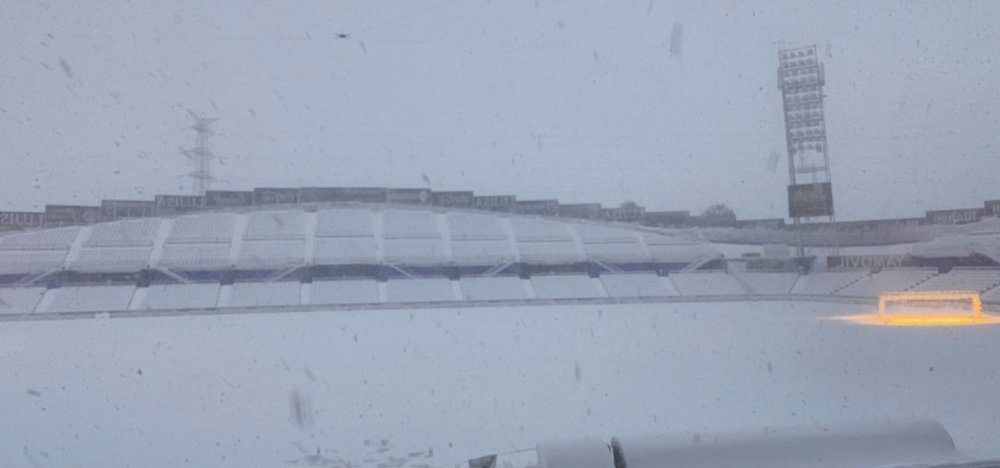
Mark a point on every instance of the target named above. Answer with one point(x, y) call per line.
point(431, 301)
point(235, 251)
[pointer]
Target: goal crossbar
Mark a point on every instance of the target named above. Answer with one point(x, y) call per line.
point(976, 303)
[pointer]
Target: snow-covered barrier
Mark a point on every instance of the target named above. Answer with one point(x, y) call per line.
point(896, 444)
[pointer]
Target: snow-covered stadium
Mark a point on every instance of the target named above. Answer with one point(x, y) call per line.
point(428, 335)
point(514, 234)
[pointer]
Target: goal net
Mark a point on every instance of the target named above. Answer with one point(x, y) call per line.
point(930, 304)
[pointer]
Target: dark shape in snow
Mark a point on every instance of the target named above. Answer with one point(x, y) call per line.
point(677, 40)
point(66, 69)
point(302, 412)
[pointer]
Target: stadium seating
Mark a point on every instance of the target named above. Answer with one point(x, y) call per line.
point(674, 250)
point(962, 279)
point(540, 230)
point(344, 250)
point(706, 283)
point(345, 236)
point(653, 238)
point(992, 295)
point(46, 239)
point(344, 223)
point(612, 245)
point(637, 285)
point(271, 254)
point(481, 252)
point(410, 225)
point(275, 225)
point(549, 252)
point(37, 251)
point(414, 251)
point(352, 240)
point(121, 246)
point(619, 252)
point(468, 226)
point(595, 234)
point(496, 288)
point(901, 279)
point(419, 290)
point(195, 256)
point(112, 259)
point(19, 300)
point(769, 283)
point(31, 261)
point(203, 229)
point(181, 296)
point(564, 287)
point(826, 282)
point(91, 298)
point(130, 233)
point(478, 239)
point(680, 253)
point(278, 293)
point(344, 292)
point(412, 237)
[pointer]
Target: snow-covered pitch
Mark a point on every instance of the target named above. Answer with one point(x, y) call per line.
point(434, 387)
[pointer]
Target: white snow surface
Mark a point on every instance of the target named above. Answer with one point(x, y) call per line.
point(395, 386)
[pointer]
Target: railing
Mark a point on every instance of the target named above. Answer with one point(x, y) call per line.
point(993, 306)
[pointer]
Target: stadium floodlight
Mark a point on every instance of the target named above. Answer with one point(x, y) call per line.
point(801, 80)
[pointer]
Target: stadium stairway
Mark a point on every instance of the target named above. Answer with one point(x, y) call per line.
point(852, 283)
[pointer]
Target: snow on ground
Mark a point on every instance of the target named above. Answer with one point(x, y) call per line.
point(435, 387)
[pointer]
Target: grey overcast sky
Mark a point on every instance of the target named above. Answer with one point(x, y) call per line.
point(577, 100)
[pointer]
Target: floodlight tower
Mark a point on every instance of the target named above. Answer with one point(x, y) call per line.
point(201, 155)
point(810, 195)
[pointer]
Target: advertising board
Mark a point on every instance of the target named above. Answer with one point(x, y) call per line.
point(896, 224)
point(627, 214)
point(666, 218)
point(992, 207)
point(960, 216)
point(174, 204)
point(506, 203)
point(120, 209)
point(409, 196)
point(62, 215)
point(538, 207)
point(881, 225)
point(275, 196)
point(772, 265)
point(360, 194)
point(228, 198)
point(581, 210)
point(850, 262)
point(454, 199)
point(317, 194)
point(769, 224)
point(21, 219)
point(805, 200)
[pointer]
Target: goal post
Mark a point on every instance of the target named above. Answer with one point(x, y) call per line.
point(958, 303)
